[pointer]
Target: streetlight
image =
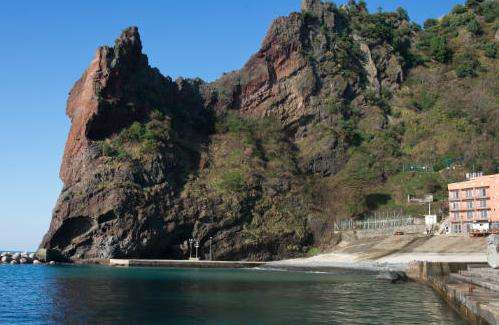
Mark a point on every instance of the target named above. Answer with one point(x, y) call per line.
point(211, 256)
point(196, 244)
point(191, 241)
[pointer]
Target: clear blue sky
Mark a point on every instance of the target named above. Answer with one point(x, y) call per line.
point(46, 45)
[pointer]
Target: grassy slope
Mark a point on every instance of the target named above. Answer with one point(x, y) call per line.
point(437, 119)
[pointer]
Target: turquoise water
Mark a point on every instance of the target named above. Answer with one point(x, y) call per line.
point(97, 294)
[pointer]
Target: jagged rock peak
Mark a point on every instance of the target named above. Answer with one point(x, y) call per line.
point(128, 45)
point(323, 10)
point(316, 6)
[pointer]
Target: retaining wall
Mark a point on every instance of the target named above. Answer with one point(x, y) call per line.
point(372, 233)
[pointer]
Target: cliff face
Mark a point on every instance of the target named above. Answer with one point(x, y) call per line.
point(259, 163)
point(115, 207)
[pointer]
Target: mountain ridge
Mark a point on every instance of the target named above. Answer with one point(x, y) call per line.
point(262, 162)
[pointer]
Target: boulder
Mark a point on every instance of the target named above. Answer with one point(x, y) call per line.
point(36, 262)
point(14, 262)
point(32, 256)
point(393, 277)
point(23, 260)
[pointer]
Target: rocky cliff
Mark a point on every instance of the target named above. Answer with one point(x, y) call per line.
point(262, 162)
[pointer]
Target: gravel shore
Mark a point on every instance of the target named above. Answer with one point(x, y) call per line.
point(392, 253)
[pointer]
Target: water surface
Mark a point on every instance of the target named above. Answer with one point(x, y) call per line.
point(98, 294)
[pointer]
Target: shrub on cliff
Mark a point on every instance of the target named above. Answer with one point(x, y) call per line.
point(490, 50)
point(467, 65)
point(440, 49)
point(474, 27)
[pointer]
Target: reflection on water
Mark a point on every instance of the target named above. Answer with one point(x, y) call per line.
point(89, 294)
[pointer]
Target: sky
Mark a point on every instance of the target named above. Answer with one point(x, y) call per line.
point(46, 45)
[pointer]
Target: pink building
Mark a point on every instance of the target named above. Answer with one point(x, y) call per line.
point(474, 204)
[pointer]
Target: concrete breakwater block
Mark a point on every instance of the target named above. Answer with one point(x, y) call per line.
point(17, 258)
point(6, 259)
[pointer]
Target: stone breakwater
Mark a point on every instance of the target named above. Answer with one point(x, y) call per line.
point(19, 258)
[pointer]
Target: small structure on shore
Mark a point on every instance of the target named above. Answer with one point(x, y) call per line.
point(493, 251)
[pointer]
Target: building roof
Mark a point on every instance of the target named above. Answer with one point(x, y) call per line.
point(475, 182)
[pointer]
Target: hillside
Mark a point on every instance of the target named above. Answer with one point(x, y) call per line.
point(333, 118)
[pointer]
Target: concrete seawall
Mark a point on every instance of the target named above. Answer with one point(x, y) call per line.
point(184, 263)
point(478, 305)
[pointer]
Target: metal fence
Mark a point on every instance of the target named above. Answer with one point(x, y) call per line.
point(375, 223)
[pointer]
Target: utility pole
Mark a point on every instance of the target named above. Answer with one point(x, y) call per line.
point(196, 244)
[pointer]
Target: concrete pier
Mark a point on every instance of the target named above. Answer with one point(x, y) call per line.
point(470, 289)
point(185, 263)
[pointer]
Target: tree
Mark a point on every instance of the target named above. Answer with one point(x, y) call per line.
point(474, 27)
point(429, 23)
point(458, 9)
point(467, 65)
point(472, 3)
point(402, 13)
point(363, 5)
point(440, 50)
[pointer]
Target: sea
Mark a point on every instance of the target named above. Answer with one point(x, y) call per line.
point(76, 294)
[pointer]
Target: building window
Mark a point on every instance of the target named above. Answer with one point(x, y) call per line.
point(469, 214)
point(483, 203)
point(482, 192)
point(470, 204)
point(469, 194)
point(456, 215)
point(454, 195)
point(455, 206)
point(456, 228)
point(484, 213)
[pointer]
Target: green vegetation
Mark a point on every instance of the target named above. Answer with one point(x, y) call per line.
point(474, 27)
point(440, 49)
point(313, 251)
point(139, 139)
point(490, 50)
point(467, 65)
